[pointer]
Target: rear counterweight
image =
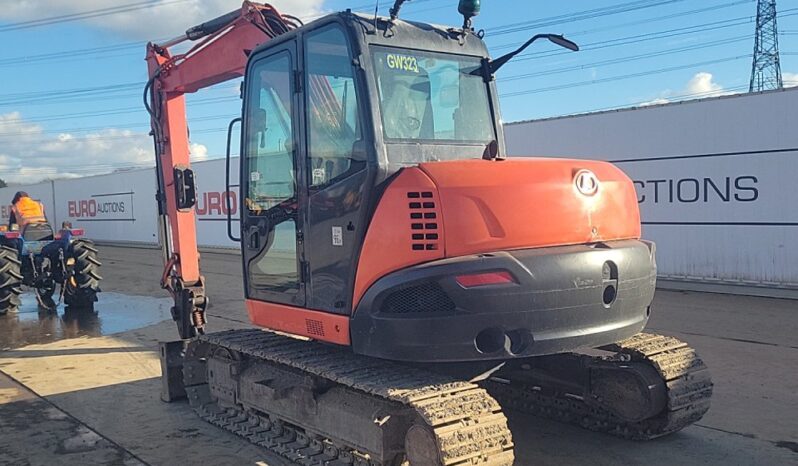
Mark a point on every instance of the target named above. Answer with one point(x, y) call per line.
point(555, 299)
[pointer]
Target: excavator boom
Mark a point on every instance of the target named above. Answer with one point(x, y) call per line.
point(219, 54)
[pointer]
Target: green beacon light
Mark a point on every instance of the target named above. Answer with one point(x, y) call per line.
point(469, 9)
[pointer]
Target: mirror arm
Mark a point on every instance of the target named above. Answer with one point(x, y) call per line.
point(394, 11)
point(499, 62)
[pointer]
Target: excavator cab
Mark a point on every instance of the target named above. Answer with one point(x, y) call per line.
point(333, 94)
point(349, 101)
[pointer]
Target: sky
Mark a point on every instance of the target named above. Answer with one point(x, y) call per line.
point(71, 91)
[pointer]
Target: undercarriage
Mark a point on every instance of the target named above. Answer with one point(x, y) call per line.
point(641, 388)
point(320, 405)
point(316, 404)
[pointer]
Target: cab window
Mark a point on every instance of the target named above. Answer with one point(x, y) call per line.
point(332, 107)
point(428, 96)
point(270, 151)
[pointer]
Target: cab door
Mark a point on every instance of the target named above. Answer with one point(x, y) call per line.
point(271, 223)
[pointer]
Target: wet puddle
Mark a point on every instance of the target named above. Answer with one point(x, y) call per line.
point(113, 313)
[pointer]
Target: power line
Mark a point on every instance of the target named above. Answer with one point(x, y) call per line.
point(586, 47)
point(63, 55)
point(94, 94)
point(96, 13)
point(615, 61)
point(80, 97)
point(125, 110)
point(635, 39)
point(109, 48)
point(655, 102)
point(639, 22)
point(512, 94)
point(524, 26)
point(28, 97)
point(622, 77)
point(132, 125)
point(90, 138)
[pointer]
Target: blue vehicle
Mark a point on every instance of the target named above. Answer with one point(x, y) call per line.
point(45, 260)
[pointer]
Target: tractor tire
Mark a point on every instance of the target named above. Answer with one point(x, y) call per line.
point(10, 279)
point(83, 284)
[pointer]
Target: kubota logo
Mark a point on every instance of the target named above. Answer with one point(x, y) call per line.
point(586, 182)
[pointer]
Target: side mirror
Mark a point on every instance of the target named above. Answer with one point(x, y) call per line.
point(558, 39)
point(563, 42)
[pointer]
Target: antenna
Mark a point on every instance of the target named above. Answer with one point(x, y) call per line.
point(376, 13)
point(766, 69)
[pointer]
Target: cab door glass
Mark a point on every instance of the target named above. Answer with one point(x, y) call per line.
point(270, 154)
point(271, 199)
point(332, 107)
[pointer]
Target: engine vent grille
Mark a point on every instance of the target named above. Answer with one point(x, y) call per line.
point(315, 327)
point(423, 220)
point(426, 297)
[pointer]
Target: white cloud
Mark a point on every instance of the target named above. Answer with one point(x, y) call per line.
point(198, 152)
point(657, 101)
point(701, 85)
point(167, 20)
point(28, 154)
point(790, 79)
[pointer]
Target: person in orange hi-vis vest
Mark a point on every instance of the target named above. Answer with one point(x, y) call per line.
point(25, 211)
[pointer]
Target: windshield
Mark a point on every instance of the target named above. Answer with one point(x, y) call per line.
point(427, 96)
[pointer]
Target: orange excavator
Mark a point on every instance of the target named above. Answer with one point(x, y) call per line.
point(413, 279)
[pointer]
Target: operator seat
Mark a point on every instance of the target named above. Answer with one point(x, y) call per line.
point(38, 232)
point(408, 108)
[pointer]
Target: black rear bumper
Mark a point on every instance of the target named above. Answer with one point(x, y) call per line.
point(565, 298)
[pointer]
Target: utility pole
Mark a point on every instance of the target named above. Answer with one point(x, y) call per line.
point(766, 70)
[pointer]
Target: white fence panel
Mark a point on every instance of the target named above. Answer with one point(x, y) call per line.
point(119, 207)
point(211, 206)
point(715, 180)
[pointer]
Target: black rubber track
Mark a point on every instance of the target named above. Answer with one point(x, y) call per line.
point(468, 426)
point(10, 279)
point(689, 391)
point(83, 292)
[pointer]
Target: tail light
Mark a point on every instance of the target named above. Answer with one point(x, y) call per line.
point(485, 279)
point(11, 234)
point(72, 231)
